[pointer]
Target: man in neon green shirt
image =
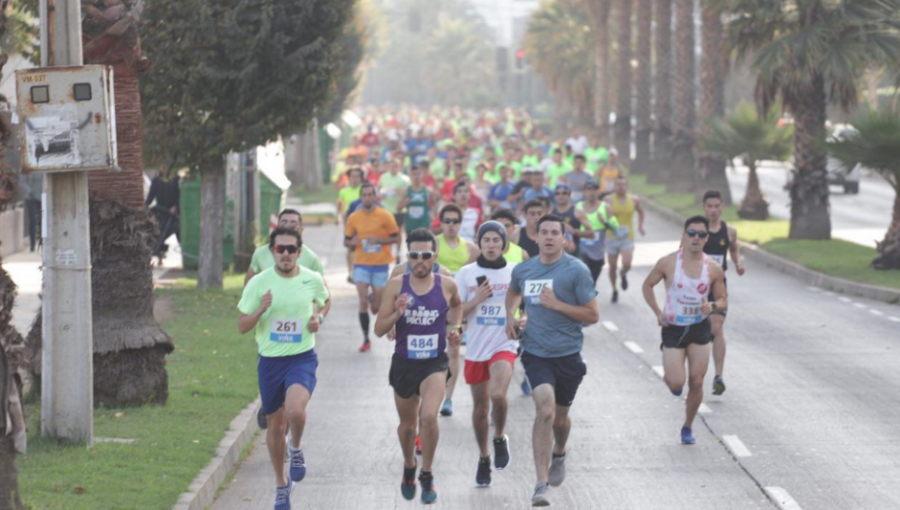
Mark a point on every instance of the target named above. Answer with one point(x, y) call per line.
point(347, 196)
point(556, 168)
point(263, 259)
point(285, 306)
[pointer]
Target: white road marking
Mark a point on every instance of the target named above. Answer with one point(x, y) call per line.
point(736, 446)
point(859, 305)
point(610, 326)
point(704, 409)
point(659, 371)
point(782, 499)
point(876, 312)
point(814, 289)
point(845, 299)
point(894, 319)
point(829, 293)
point(633, 347)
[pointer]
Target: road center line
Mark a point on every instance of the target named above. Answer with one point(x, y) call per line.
point(782, 499)
point(845, 299)
point(876, 312)
point(814, 289)
point(704, 409)
point(859, 305)
point(659, 371)
point(736, 446)
point(829, 293)
point(610, 326)
point(633, 347)
point(894, 319)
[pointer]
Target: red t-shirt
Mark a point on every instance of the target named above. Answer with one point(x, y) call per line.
point(370, 139)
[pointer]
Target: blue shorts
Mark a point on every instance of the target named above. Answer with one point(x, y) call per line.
point(376, 276)
point(276, 375)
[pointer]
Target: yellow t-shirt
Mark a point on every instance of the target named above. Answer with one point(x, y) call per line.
point(378, 223)
point(624, 213)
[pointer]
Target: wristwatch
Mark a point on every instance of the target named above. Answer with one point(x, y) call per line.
point(714, 306)
point(454, 327)
point(321, 318)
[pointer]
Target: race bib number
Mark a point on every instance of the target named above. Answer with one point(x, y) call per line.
point(286, 331)
point(720, 259)
point(591, 241)
point(422, 346)
point(389, 193)
point(622, 232)
point(490, 315)
point(370, 247)
point(416, 212)
point(688, 314)
point(533, 289)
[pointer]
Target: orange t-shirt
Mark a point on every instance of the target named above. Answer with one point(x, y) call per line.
point(378, 223)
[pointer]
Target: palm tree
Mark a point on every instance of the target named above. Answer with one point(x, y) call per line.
point(681, 176)
point(810, 53)
point(599, 10)
point(662, 102)
point(644, 85)
point(558, 42)
point(875, 144)
point(623, 103)
point(754, 138)
point(713, 71)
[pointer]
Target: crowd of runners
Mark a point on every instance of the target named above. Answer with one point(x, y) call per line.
point(497, 234)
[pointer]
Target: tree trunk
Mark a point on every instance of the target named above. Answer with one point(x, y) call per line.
point(889, 249)
point(9, 477)
point(644, 86)
point(809, 190)
point(623, 104)
point(600, 19)
point(662, 104)
point(754, 206)
point(681, 178)
point(212, 205)
point(713, 71)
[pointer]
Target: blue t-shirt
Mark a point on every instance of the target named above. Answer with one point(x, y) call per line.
point(500, 192)
point(531, 193)
point(551, 334)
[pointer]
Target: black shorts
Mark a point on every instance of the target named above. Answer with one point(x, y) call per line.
point(595, 266)
point(399, 218)
point(406, 375)
point(678, 337)
point(564, 374)
point(724, 311)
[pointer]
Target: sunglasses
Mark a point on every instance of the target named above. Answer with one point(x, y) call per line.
point(451, 222)
point(424, 255)
point(290, 248)
point(696, 233)
point(562, 193)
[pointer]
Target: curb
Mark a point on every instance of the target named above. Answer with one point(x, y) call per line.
point(806, 275)
point(202, 491)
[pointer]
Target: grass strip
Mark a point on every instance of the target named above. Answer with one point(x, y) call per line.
point(212, 377)
point(835, 257)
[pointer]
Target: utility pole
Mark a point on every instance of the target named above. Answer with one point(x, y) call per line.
point(67, 389)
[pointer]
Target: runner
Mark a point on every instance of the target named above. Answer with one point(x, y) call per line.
point(559, 300)
point(500, 192)
point(593, 248)
point(490, 351)
point(471, 216)
point(285, 306)
point(263, 259)
point(722, 240)
point(689, 276)
point(610, 171)
point(577, 224)
point(453, 253)
point(514, 253)
point(370, 231)
point(347, 196)
point(533, 211)
point(417, 200)
point(426, 310)
point(621, 241)
point(392, 187)
point(577, 179)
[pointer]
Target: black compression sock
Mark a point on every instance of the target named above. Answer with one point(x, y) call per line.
point(364, 323)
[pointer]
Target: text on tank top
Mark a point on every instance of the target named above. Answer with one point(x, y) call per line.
point(717, 245)
point(452, 258)
point(624, 212)
point(686, 295)
point(422, 330)
point(418, 204)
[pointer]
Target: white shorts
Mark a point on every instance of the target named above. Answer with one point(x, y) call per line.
point(616, 246)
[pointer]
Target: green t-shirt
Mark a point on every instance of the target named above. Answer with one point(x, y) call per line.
point(282, 330)
point(555, 171)
point(389, 185)
point(263, 259)
point(595, 156)
point(348, 195)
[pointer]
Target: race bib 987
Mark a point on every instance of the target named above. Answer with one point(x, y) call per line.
point(490, 315)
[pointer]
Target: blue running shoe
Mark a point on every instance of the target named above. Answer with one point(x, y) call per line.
point(298, 465)
point(687, 436)
point(283, 496)
point(526, 387)
point(447, 408)
point(429, 494)
point(408, 484)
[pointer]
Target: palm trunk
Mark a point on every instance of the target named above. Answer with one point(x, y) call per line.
point(212, 203)
point(623, 105)
point(600, 18)
point(809, 190)
point(889, 249)
point(644, 85)
point(754, 206)
point(713, 70)
point(681, 178)
point(662, 133)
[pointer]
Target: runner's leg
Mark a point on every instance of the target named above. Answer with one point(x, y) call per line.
point(717, 322)
point(613, 259)
point(481, 404)
point(432, 391)
point(698, 362)
point(501, 374)
point(627, 257)
point(562, 425)
point(673, 368)
point(275, 444)
point(542, 432)
point(408, 410)
point(453, 355)
point(295, 403)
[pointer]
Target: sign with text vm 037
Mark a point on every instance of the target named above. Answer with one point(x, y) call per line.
point(68, 117)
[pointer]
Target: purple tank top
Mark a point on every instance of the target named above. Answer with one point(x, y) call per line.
point(422, 331)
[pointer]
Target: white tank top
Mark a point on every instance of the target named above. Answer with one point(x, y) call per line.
point(686, 295)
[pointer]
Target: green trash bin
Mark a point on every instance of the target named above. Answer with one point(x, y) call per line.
point(190, 226)
point(272, 197)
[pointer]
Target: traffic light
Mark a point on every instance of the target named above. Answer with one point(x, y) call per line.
point(520, 59)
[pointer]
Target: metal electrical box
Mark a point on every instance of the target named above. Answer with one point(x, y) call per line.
point(69, 118)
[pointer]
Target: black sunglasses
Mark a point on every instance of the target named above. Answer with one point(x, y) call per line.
point(424, 255)
point(696, 233)
point(290, 248)
point(451, 222)
point(562, 193)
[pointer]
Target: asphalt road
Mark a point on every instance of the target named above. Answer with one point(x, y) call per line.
point(809, 418)
point(862, 218)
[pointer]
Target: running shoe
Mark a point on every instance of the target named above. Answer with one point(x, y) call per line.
point(283, 496)
point(366, 346)
point(718, 385)
point(624, 282)
point(687, 436)
point(540, 495)
point(408, 484)
point(615, 296)
point(447, 408)
point(526, 387)
point(501, 452)
point(557, 470)
point(429, 494)
point(483, 474)
point(261, 419)
point(418, 445)
point(298, 465)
